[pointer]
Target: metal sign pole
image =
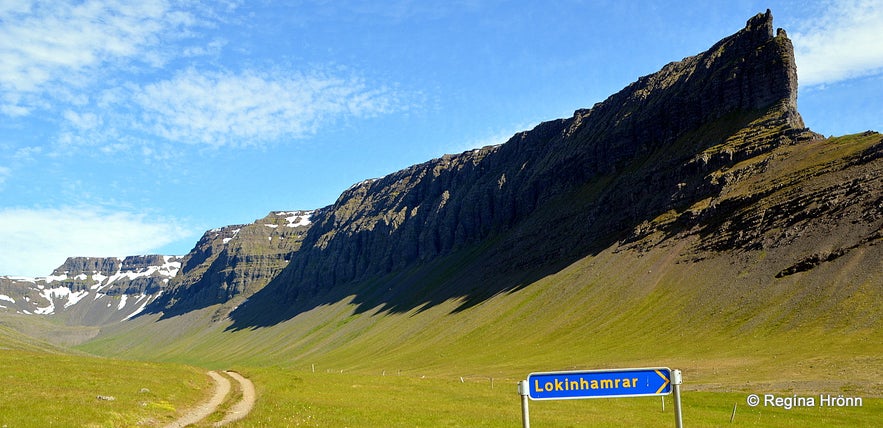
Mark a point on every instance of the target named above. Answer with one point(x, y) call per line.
point(525, 415)
point(676, 381)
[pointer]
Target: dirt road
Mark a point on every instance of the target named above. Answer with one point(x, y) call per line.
point(245, 404)
point(222, 389)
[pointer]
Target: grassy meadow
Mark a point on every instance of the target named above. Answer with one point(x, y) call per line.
point(290, 397)
point(42, 385)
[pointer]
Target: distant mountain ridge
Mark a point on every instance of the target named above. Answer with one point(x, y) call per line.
point(91, 290)
point(227, 262)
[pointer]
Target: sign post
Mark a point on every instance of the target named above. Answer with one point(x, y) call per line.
point(676, 382)
point(525, 415)
point(615, 383)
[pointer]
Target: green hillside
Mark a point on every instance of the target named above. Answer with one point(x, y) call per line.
point(616, 309)
point(46, 385)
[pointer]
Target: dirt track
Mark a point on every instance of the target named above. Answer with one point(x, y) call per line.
point(222, 389)
point(245, 404)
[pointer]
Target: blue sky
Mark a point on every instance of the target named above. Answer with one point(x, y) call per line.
point(133, 127)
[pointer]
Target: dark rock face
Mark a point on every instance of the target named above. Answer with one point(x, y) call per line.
point(129, 275)
point(731, 102)
point(87, 265)
point(234, 261)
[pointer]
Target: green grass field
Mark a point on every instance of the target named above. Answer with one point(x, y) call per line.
point(290, 397)
point(46, 386)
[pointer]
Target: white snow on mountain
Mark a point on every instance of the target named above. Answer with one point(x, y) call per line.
point(66, 291)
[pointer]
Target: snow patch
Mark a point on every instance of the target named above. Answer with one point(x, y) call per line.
point(73, 298)
point(168, 269)
point(53, 294)
point(7, 298)
point(99, 278)
point(122, 304)
point(53, 278)
point(297, 218)
point(143, 305)
point(235, 232)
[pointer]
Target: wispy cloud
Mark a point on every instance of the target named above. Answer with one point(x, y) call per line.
point(46, 47)
point(4, 174)
point(841, 43)
point(249, 107)
point(35, 241)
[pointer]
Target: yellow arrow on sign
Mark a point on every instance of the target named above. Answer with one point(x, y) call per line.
point(664, 384)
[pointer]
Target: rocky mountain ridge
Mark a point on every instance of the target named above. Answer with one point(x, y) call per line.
point(563, 190)
point(234, 262)
point(100, 290)
point(91, 290)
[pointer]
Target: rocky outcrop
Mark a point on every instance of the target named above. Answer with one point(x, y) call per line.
point(74, 266)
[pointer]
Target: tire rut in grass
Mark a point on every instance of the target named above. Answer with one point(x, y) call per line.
point(235, 411)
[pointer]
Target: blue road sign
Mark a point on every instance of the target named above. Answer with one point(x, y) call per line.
point(599, 384)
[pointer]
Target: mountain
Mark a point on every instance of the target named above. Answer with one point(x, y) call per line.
point(666, 156)
point(227, 262)
point(234, 262)
point(91, 290)
point(694, 204)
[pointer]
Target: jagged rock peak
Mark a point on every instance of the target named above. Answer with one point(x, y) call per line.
point(774, 77)
point(761, 24)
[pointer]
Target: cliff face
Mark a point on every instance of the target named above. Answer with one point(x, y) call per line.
point(234, 261)
point(568, 186)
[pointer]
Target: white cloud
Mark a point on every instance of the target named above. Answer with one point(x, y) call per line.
point(96, 65)
point(36, 241)
point(83, 121)
point(249, 107)
point(47, 45)
point(843, 43)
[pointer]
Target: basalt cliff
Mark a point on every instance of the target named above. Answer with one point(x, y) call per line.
point(711, 147)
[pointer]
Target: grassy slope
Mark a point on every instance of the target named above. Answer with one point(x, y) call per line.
point(45, 385)
point(725, 320)
point(587, 316)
